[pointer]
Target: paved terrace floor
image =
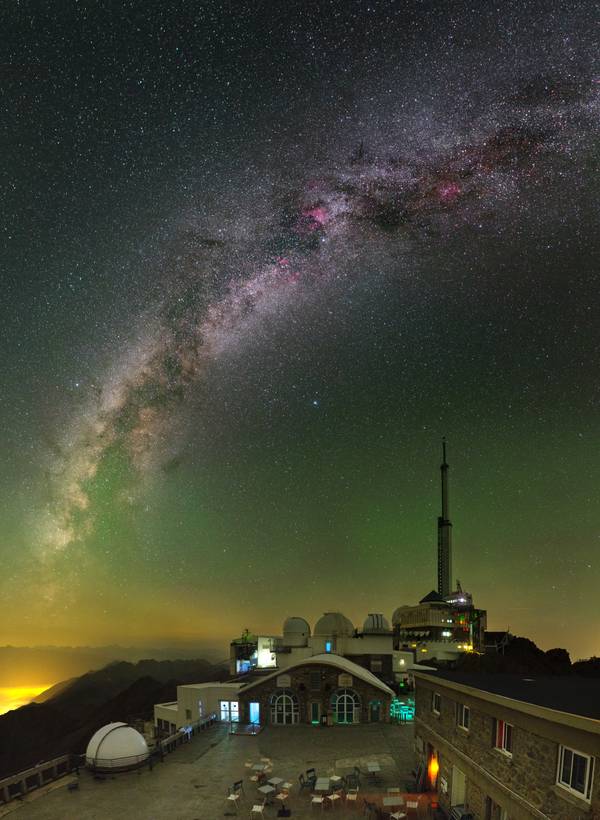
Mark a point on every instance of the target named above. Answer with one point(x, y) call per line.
point(192, 782)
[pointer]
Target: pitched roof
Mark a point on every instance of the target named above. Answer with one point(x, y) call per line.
point(432, 598)
point(344, 664)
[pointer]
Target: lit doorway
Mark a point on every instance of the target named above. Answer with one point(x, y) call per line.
point(229, 711)
point(254, 713)
point(315, 712)
point(457, 794)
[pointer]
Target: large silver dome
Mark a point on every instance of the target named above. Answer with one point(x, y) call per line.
point(296, 631)
point(334, 624)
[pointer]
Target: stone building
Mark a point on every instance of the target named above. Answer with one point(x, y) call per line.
point(323, 688)
point(504, 747)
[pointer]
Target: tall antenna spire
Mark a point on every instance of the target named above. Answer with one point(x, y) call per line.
point(444, 533)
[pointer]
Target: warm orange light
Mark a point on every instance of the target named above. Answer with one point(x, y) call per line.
point(433, 770)
point(11, 697)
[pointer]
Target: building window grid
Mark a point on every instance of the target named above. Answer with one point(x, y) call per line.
point(436, 703)
point(503, 737)
point(463, 717)
point(575, 772)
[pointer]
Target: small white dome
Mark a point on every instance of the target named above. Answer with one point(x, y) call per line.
point(116, 746)
point(296, 632)
point(376, 624)
point(334, 624)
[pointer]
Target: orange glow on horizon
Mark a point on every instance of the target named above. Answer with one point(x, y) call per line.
point(11, 697)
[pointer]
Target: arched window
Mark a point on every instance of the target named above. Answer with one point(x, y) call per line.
point(284, 707)
point(346, 706)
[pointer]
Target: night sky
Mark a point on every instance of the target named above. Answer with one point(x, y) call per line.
point(257, 259)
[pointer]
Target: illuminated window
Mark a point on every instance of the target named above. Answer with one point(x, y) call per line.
point(503, 737)
point(284, 707)
point(346, 706)
point(463, 716)
point(327, 646)
point(575, 772)
point(436, 703)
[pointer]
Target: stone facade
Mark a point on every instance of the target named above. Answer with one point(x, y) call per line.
point(524, 783)
point(302, 681)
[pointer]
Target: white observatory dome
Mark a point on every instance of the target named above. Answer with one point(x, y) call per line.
point(296, 632)
point(116, 746)
point(376, 624)
point(334, 624)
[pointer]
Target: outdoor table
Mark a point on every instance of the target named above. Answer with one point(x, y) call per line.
point(275, 781)
point(393, 800)
point(373, 767)
point(259, 767)
point(335, 778)
point(267, 791)
point(322, 784)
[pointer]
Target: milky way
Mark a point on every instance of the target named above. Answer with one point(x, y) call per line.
point(258, 258)
point(389, 196)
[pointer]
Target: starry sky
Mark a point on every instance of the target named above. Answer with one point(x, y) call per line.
point(257, 259)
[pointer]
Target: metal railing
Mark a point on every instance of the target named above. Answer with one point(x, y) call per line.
point(167, 744)
point(17, 785)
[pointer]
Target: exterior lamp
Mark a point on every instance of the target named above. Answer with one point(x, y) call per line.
point(432, 771)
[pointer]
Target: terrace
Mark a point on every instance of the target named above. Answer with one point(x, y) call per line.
point(193, 782)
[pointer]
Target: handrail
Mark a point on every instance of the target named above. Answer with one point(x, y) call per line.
point(18, 784)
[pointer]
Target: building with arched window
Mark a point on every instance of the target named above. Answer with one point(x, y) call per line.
point(324, 688)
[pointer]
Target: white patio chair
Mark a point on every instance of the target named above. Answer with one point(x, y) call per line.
point(334, 798)
point(397, 815)
point(317, 800)
point(352, 796)
point(258, 809)
point(233, 800)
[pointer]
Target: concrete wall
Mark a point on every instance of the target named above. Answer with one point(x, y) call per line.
point(525, 783)
point(300, 684)
point(189, 696)
point(188, 700)
point(164, 711)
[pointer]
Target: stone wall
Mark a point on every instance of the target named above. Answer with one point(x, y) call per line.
point(300, 685)
point(524, 783)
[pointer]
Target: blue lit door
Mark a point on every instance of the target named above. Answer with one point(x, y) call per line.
point(254, 713)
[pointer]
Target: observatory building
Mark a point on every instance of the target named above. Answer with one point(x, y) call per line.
point(116, 747)
point(337, 671)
